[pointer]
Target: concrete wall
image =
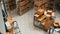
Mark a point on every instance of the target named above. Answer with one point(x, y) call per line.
point(2, 26)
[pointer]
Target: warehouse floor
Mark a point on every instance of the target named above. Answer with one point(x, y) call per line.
point(25, 23)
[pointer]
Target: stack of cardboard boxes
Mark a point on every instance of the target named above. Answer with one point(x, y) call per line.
point(9, 25)
point(38, 4)
point(50, 4)
point(10, 4)
point(24, 6)
point(45, 4)
point(43, 19)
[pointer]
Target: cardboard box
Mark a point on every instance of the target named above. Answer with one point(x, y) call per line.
point(36, 8)
point(41, 18)
point(38, 14)
point(23, 11)
point(11, 4)
point(47, 23)
point(38, 3)
point(20, 12)
point(22, 8)
point(27, 0)
point(22, 3)
point(9, 19)
point(30, 5)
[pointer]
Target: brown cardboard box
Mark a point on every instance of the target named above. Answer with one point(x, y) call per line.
point(36, 8)
point(27, 0)
point(47, 23)
point(22, 3)
point(22, 11)
point(36, 16)
point(11, 4)
point(41, 10)
point(9, 19)
point(11, 31)
point(38, 13)
point(8, 1)
point(43, 0)
point(38, 3)
point(41, 18)
point(29, 5)
point(36, 0)
point(22, 8)
point(43, 7)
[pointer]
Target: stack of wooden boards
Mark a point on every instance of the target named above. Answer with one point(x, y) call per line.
point(43, 4)
point(10, 4)
point(44, 20)
point(24, 6)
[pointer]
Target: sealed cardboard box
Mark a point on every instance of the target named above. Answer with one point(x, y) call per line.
point(20, 12)
point(22, 3)
point(47, 23)
point(41, 18)
point(22, 8)
point(38, 3)
point(36, 16)
point(23, 11)
point(27, 0)
point(30, 5)
point(36, 8)
point(39, 13)
point(46, 5)
point(11, 4)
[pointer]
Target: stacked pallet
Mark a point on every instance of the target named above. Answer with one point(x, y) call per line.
point(24, 6)
point(44, 17)
point(38, 4)
point(10, 4)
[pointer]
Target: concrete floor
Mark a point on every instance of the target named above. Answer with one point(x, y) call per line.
point(25, 23)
